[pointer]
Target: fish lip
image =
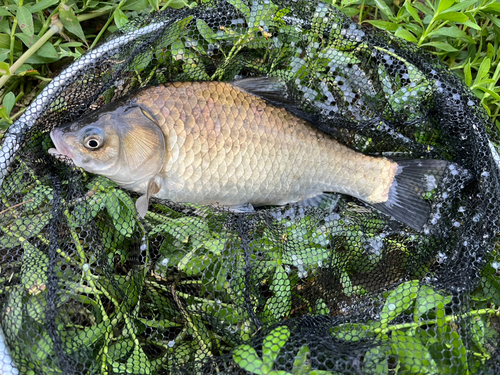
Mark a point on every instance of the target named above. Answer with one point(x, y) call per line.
point(61, 149)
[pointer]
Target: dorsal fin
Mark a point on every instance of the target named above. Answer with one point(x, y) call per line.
point(275, 91)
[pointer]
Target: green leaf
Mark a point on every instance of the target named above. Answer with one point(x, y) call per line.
point(242, 7)
point(301, 366)
point(350, 11)
point(120, 18)
point(119, 349)
point(491, 288)
point(273, 343)
point(26, 70)
point(28, 226)
point(4, 68)
point(376, 361)
point(8, 102)
point(34, 268)
point(414, 28)
point(184, 229)
point(35, 198)
point(138, 362)
point(492, 7)
point(177, 4)
point(321, 307)
point(4, 124)
point(461, 5)
point(444, 4)
point(246, 357)
point(206, 31)
point(467, 74)
point(423, 8)
point(351, 332)
point(413, 12)
point(13, 320)
point(448, 351)
point(5, 12)
point(281, 301)
point(490, 51)
point(135, 5)
point(42, 5)
point(28, 40)
point(85, 337)
point(71, 44)
point(472, 24)
point(483, 70)
point(488, 91)
point(451, 31)
point(5, 41)
point(70, 22)
point(384, 25)
point(25, 21)
point(478, 331)
point(121, 208)
point(452, 16)
point(428, 299)
point(5, 25)
point(494, 19)
point(48, 51)
point(384, 8)
point(194, 263)
point(399, 300)
point(441, 45)
point(345, 3)
point(413, 354)
point(406, 35)
point(6, 117)
point(84, 213)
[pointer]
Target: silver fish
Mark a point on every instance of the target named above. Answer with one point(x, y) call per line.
point(220, 143)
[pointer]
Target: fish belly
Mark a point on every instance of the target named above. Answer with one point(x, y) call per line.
point(225, 146)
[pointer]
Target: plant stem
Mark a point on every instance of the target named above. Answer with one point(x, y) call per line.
point(361, 12)
point(55, 28)
point(446, 319)
point(89, 16)
point(12, 41)
point(103, 30)
point(48, 21)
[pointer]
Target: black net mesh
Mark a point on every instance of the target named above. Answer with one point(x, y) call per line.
point(86, 287)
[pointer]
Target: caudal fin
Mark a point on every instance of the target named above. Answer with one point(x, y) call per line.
point(406, 201)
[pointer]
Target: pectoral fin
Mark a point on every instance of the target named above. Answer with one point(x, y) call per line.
point(142, 203)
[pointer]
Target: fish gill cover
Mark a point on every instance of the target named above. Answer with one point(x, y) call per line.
point(89, 288)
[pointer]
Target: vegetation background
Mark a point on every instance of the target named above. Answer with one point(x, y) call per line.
point(39, 38)
point(464, 34)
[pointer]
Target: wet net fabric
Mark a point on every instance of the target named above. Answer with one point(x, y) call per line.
point(88, 288)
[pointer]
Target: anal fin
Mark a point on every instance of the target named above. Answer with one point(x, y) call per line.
point(241, 208)
point(322, 200)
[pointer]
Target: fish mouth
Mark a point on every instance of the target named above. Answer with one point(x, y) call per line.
point(61, 151)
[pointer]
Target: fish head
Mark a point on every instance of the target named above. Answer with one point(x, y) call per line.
point(123, 143)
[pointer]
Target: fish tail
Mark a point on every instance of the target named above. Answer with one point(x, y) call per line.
point(414, 178)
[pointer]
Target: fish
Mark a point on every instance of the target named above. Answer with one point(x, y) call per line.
point(236, 144)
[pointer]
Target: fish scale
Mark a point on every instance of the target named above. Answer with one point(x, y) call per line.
point(261, 153)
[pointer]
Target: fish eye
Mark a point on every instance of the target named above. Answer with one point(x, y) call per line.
point(92, 143)
point(93, 139)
